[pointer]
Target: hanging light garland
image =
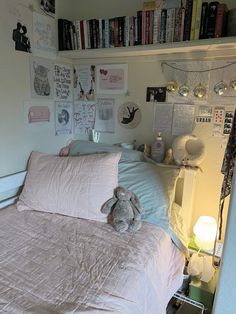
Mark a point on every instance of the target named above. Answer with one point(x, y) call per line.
point(199, 91)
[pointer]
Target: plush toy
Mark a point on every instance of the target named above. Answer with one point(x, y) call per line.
point(125, 210)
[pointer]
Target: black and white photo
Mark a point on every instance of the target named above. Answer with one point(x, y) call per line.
point(48, 6)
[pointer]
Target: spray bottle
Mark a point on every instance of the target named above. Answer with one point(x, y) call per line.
point(158, 149)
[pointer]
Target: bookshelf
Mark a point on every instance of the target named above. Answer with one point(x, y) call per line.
point(224, 47)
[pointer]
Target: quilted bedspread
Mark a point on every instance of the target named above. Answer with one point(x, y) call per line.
point(55, 264)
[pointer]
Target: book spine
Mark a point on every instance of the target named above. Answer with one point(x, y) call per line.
point(131, 31)
point(85, 34)
point(121, 31)
point(147, 27)
point(75, 36)
point(182, 24)
point(107, 33)
point(170, 22)
point(103, 34)
point(193, 20)
point(143, 27)
point(88, 34)
point(100, 33)
point(91, 34)
point(212, 12)
point(139, 28)
point(111, 33)
point(68, 40)
point(198, 19)
point(135, 30)
point(150, 39)
point(177, 26)
point(82, 34)
point(220, 16)
point(61, 34)
point(163, 26)
point(203, 24)
point(127, 30)
point(97, 33)
point(187, 19)
point(116, 32)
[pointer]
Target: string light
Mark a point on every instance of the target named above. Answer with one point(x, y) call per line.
point(200, 90)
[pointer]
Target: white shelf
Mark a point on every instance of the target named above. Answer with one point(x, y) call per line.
point(215, 47)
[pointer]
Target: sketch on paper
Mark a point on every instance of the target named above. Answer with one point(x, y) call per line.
point(44, 30)
point(84, 82)
point(38, 117)
point(104, 120)
point(20, 19)
point(63, 118)
point(84, 117)
point(63, 82)
point(48, 6)
point(112, 79)
point(38, 114)
point(41, 78)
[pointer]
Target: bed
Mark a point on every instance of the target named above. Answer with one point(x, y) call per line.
point(52, 261)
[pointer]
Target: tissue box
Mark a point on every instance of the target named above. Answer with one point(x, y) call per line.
point(203, 292)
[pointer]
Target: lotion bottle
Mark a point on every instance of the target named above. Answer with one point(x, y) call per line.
point(158, 149)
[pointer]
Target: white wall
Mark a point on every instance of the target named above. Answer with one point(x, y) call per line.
point(16, 142)
point(144, 72)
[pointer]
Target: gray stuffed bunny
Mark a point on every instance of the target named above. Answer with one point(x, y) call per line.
point(125, 210)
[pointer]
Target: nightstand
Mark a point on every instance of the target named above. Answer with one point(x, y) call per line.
point(199, 296)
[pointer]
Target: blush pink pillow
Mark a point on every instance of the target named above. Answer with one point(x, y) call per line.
point(72, 186)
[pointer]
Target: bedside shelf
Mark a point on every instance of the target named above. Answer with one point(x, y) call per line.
point(218, 47)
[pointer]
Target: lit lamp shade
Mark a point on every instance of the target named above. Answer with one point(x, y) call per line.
point(205, 231)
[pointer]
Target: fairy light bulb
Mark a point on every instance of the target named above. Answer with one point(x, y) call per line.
point(220, 88)
point(171, 86)
point(200, 91)
point(184, 90)
point(232, 84)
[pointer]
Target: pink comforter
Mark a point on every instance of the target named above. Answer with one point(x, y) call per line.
point(55, 264)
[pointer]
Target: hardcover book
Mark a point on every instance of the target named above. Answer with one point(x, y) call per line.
point(211, 23)
point(220, 20)
point(188, 19)
point(204, 18)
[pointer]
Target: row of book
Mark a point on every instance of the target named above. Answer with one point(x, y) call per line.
point(192, 20)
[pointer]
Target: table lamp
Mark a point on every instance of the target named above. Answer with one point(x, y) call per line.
point(205, 231)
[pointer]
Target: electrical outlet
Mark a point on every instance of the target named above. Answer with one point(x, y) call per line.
point(219, 249)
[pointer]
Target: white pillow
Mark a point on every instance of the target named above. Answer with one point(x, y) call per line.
point(72, 186)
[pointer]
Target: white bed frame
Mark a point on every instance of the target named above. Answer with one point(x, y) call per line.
point(184, 192)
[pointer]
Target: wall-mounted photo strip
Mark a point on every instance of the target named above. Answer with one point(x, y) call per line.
point(84, 82)
point(44, 35)
point(112, 79)
point(41, 78)
point(63, 118)
point(84, 116)
point(17, 20)
point(48, 7)
point(63, 82)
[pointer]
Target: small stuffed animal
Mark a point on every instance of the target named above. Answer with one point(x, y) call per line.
point(125, 210)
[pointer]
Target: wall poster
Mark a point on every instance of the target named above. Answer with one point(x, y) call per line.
point(84, 82)
point(41, 78)
point(84, 116)
point(63, 82)
point(44, 30)
point(38, 116)
point(63, 117)
point(112, 79)
point(129, 115)
point(104, 121)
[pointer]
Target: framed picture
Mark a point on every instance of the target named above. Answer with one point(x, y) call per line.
point(112, 79)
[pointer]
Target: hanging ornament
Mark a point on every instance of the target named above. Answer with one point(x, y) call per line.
point(171, 86)
point(232, 83)
point(184, 90)
point(200, 91)
point(220, 88)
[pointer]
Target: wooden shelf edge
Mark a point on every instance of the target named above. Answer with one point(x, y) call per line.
point(226, 45)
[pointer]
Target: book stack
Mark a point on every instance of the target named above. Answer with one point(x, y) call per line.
point(169, 21)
